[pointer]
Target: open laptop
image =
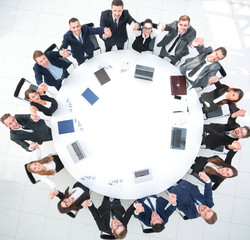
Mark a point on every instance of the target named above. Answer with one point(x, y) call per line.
point(178, 85)
point(178, 138)
point(76, 151)
point(142, 175)
point(144, 72)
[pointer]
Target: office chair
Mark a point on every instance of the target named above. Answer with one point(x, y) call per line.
point(94, 39)
point(105, 235)
point(146, 229)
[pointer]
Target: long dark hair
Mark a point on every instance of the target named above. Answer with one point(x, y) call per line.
point(72, 207)
point(237, 90)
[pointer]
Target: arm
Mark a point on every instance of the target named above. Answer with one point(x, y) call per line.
point(47, 180)
point(96, 215)
point(229, 156)
point(33, 110)
point(128, 214)
point(38, 74)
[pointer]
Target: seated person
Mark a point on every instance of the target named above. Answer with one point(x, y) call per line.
point(216, 134)
point(153, 212)
point(175, 43)
point(216, 169)
point(40, 102)
point(202, 69)
point(24, 127)
point(191, 202)
point(50, 68)
point(144, 36)
point(111, 217)
point(78, 38)
point(72, 199)
point(220, 96)
point(46, 167)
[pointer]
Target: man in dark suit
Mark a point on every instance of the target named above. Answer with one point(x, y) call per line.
point(152, 212)
point(216, 134)
point(175, 44)
point(111, 217)
point(202, 69)
point(191, 202)
point(78, 38)
point(24, 127)
point(50, 68)
point(116, 19)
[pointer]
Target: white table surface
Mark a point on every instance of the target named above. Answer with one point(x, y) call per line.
point(129, 128)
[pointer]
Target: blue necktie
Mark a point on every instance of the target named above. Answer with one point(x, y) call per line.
point(80, 39)
point(151, 204)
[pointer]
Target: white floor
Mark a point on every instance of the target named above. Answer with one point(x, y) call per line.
point(27, 25)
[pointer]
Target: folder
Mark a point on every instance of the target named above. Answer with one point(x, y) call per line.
point(102, 76)
point(90, 96)
point(66, 126)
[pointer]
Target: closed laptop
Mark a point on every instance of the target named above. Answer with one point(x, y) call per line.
point(178, 85)
point(178, 138)
point(76, 151)
point(144, 72)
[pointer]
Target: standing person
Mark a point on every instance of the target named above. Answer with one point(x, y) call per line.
point(50, 68)
point(153, 212)
point(191, 202)
point(175, 43)
point(201, 70)
point(24, 127)
point(111, 217)
point(144, 36)
point(116, 19)
point(78, 38)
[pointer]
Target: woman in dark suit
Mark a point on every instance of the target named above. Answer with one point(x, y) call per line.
point(40, 102)
point(72, 199)
point(223, 94)
point(216, 168)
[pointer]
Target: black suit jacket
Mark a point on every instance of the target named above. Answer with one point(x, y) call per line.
point(181, 49)
point(210, 96)
point(216, 136)
point(102, 215)
point(120, 36)
point(200, 163)
point(41, 132)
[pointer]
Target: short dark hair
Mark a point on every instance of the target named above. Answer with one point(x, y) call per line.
point(72, 20)
point(28, 91)
point(223, 50)
point(184, 18)
point(212, 219)
point(147, 21)
point(117, 3)
point(158, 227)
point(248, 131)
point(4, 117)
point(37, 54)
point(122, 234)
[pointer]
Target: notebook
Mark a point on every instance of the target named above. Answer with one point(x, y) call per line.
point(76, 151)
point(102, 76)
point(66, 126)
point(144, 72)
point(178, 138)
point(90, 96)
point(142, 175)
point(178, 85)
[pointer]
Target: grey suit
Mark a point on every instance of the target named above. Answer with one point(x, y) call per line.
point(206, 73)
point(181, 49)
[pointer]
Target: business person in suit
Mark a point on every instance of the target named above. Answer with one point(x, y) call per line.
point(78, 38)
point(221, 95)
point(202, 69)
point(111, 217)
point(175, 43)
point(152, 212)
point(72, 199)
point(116, 19)
point(50, 68)
point(216, 134)
point(24, 127)
point(191, 202)
point(216, 168)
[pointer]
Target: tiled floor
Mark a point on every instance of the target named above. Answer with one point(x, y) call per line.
point(26, 25)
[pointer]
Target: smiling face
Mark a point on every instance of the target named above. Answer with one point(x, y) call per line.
point(75, 28)
point(67, 202)
point(232, 96)
point(225, 172)
point(11, 122)
point(117, 11)
point(35, 97)
point(239, 132)
point(36, 167)
point(205, 211)
point(183, 26)
point(215, 56)
point(42, 61)
point(147, 29)
point(117, 226)
point(155, 219)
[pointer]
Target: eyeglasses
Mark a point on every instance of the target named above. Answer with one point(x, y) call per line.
point(117, 226)
point(64, 201)
point(241, 132)
point(147, 29)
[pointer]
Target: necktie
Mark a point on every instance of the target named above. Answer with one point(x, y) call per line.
point(173, 45)
point(191, 74)
point(25, 128)
point(115, 25)
point(112, 214)
point(80, 39)
point(151, 205)
point(226, 132)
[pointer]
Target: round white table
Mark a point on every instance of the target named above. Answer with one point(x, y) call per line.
point(128, 128)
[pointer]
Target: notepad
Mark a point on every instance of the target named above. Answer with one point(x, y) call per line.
point(90, 96)
point(66, 126)
point(102, 76)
